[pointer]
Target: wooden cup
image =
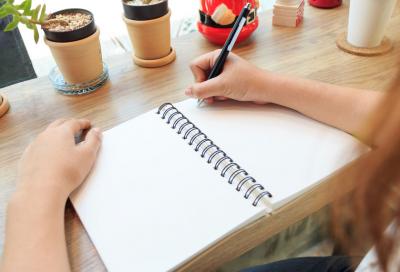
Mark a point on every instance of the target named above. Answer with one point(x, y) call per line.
point(79, 61)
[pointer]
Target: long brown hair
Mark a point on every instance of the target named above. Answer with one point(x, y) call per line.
point(362, 219)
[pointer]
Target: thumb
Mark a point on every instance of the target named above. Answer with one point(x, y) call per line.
point(205, 89)
point(92, 141)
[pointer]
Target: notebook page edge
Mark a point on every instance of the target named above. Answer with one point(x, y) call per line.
point(283, 202)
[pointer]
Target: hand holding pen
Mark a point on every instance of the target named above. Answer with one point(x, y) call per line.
point(230, 42)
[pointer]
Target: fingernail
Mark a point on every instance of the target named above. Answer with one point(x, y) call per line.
point(189, 91)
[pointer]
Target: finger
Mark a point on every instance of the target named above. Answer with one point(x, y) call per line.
point(260, 102)
point(76, 125)
point(198, 73)
point(220, 98)
point(92, 142)
point(205, 89)
point(209, 100)
point(201, 65)
point(57, 122)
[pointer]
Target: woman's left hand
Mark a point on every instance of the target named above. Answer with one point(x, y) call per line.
point(53, 164)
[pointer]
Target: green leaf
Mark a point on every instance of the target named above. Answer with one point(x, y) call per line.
point(21, 6)
point(13, 24)
point(29, 25)
point(35, 13)
point(27, 13)
point(10, 2)
point(43, 14)
point(9, 9)
point(26, 7)
point(3, 13)
point(24, 20)
point(35, 33)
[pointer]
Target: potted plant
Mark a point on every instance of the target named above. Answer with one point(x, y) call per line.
point(148, 24)
point(73, 39)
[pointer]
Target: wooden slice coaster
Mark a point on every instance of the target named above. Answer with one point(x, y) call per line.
point(156, 62)
point(4, 105)
point(384, 48)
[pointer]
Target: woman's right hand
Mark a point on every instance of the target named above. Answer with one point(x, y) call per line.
point(239, 80)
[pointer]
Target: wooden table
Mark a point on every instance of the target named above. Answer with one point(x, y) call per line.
point(307, 51)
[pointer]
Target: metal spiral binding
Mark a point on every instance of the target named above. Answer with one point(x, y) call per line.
point(168, 112)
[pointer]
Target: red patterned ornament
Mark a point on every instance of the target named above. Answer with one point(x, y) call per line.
point(325, 3)
point(218, 16)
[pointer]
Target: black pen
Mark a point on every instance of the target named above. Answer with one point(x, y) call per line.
point(230, 42)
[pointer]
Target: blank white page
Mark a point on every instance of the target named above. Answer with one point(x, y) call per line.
point(284, 150)
point(151, 202)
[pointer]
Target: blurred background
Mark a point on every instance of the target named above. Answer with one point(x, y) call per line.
point(108, 17)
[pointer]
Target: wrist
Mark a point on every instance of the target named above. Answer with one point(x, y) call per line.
point(276, 88)
point(30, 208)
point(263, 87)
point(43, 195)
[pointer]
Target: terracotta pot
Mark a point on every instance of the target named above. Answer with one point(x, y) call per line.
point(151, 41)
point(79, 61)
point(4, 105)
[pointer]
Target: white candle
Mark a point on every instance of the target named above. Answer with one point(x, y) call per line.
point(368, 20)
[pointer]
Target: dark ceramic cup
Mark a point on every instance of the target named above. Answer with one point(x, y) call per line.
point(145, 12)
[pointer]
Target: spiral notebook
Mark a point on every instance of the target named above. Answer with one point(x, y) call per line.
point(172, 182)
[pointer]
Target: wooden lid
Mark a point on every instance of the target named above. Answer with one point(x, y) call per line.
point(4, 105)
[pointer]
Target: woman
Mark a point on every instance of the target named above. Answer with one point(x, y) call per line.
point(53, 165)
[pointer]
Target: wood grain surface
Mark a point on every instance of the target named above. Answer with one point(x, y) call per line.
point(307, 51)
